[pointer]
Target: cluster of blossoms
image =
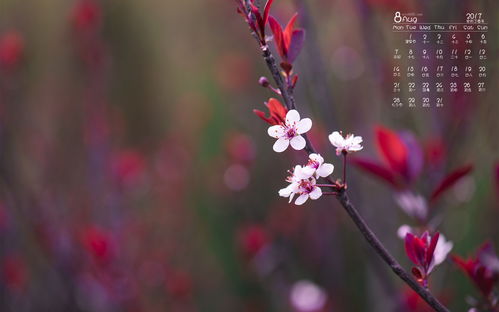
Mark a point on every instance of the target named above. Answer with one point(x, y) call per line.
point(303, 180)
point(288, 128)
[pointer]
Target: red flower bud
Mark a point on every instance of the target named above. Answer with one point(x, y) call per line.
point(264, 82)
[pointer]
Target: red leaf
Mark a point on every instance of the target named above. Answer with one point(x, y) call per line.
point(277, 110)
point(409, 248)
point(449, 181)
point(266, 11)
point(297, 39)
point(278, 36)
point(261, 114)
point(465, 265)
point(259, 20)
point(392, 149)
point(376, 170)
point(431, 249)
point(288, 31)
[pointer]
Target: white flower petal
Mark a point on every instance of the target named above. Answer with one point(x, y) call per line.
point(316, 193)
point(304, 125)
point(442, 250)
point(286, 192)
point(301, 199)
point(325, 170)
point(357, 140)
point(306, 172)
point(317, 158)
point(276, 131)
point(298, 142)
point(292, 117)
point(281, 145)
point(403, 230)
point(355, 148)
point(336, 139)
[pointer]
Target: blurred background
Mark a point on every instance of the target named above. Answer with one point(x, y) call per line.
point(135, 177)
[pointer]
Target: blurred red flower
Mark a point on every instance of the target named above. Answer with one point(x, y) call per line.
point(98, 242)
point(435, 151)
point(11, 49)
point(252, 239)
point(128, 166)
point(86, 15)
point(14, 273)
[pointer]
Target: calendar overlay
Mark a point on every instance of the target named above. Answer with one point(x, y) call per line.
point(435, 63)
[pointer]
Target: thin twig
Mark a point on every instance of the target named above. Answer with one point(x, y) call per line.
point(342, 196)
point(373, 240)
point(344, 167)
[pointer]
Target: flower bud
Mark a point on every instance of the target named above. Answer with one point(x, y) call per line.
point(264, 82)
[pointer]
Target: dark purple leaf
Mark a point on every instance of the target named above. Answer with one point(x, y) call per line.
point(297, 39)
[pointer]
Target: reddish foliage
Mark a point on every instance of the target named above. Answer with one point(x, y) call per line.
point(258, 24)
point(377, 170)
point(450, 180)
point(277, 112)
point(420, 251)
point(392, 150)
point(288, 41)
point(483, 276)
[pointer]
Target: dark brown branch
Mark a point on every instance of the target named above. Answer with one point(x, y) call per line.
point(342, 196)
point(373, 240)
